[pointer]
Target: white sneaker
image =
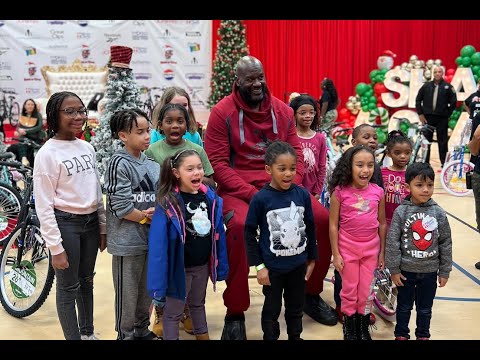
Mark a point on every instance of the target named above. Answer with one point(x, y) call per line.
point(89, 337)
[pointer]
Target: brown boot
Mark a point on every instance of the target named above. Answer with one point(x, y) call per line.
point(158, 322)
point(202, 336)
point(187, 320)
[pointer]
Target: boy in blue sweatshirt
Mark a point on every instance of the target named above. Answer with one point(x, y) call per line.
point(285, 254)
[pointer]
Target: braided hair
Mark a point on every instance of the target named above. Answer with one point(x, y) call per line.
point(397, 137)
point(123, 120)
point(53, 110)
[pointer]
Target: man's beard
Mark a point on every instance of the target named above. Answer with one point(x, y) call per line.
point(247, 96)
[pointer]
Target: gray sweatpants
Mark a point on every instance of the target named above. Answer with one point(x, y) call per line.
point(196, 287)
point(132, 301)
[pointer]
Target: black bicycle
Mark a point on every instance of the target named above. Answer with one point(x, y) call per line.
point(26, 272)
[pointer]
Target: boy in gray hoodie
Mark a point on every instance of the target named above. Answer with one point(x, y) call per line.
point(418, 249)
point(131, 184)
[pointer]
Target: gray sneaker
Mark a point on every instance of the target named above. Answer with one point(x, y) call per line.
point(89, 337)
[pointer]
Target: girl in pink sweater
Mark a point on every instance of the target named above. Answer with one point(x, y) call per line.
point(357, 235)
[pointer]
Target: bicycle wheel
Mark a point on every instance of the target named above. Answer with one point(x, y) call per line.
point(453, 177)
point(24, 286)
point(10, 202)
point(14, 114)
point(385, 295)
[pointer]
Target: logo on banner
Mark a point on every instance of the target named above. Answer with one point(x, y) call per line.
point(165, 33)
point(32, 91)
point(27, 21)
point(168, 53)
point(57, 34)
point(28, 33)
point(193, 46)
point(5, 78)
point(194, 76)
point(169, 74)
point(32, 71)
point(55, 22)
point(193, 33)
point(82, 23)
point(5, 65)
point(139, 35)
point(112, 37)
point(163, 22)
point(143, 76)
point(84, 35)
point(58, 46)
point(194, 61)
point(29, 51)
point(85, 51)
point(140, 50)
point(138, 22)
point(58, 60)
point(192, 22)
point(2, 23)
point(140, 62)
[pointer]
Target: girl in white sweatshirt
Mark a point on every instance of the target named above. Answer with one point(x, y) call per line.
point(69, 204)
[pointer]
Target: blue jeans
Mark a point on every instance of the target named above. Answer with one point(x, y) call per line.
point(81, 236)
point(421, 289)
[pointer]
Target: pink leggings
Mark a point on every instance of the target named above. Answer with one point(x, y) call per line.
point(360, 258)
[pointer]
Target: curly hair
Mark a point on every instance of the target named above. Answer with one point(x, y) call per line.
point(342, 174)
point(327, 85)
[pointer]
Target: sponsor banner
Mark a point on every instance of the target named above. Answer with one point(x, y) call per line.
point(165, 53)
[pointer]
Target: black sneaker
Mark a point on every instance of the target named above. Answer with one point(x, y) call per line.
point(477, 265)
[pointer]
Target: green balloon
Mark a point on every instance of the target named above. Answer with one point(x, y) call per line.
point(467, 50)
point(365, 108)
point(452, 123)
point(475, 69)
point(381, 137)
point(361, 88)
point(372, 99)
point(458, 60)
point(372, 106)
point(404, 128)
point(373, 73)
point(466, 62)
point(475, 58)
point(475, 77)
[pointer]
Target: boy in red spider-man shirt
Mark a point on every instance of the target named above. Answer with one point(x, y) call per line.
point(418, 250)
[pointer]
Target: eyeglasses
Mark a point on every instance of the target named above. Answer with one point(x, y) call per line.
point(73, 113)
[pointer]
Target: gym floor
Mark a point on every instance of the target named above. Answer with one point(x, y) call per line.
point(456, 310)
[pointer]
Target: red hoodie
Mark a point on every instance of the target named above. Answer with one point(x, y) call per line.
point(235, 142)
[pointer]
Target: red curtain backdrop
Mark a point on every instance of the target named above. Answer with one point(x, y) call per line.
point(298, 54)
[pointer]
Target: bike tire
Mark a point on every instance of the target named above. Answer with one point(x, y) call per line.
point(14, 114)
point(10, 203)
point(451, 182)
point(15, 301)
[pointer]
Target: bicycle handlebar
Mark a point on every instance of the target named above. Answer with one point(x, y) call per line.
point(15, 164)
point(28, 142)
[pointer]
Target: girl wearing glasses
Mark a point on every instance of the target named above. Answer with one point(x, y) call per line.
point(70, 208)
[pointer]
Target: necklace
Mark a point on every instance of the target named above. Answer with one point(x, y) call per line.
point(28, 121)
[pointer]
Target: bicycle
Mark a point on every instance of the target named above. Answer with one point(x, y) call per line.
point(454, 173)
point(26, 272)
point(9, 108)
point(385, 295)
point(10, 199)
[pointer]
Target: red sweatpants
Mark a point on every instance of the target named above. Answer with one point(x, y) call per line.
point(236, 296)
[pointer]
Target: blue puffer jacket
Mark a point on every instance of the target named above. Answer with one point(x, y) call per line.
point(166, 268)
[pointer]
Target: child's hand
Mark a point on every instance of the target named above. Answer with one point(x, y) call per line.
point(442, 281)
point(310, 266)
point(317, 196)
point(338, 262)
point(149, 212)
point(397, 279)
point(102, 243)
point(262, 277)
point(381, 261)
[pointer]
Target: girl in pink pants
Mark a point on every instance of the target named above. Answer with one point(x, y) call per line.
point(357, 235)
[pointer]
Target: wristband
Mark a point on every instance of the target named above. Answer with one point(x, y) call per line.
point(260, 267)
point(144, 220)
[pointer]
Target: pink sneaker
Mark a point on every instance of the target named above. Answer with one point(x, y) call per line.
point(401, 338)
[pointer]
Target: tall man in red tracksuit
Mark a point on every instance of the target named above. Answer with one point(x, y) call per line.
point(239, 128)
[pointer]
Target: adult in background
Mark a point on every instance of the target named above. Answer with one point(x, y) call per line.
point(329, 102)
point(29, 127)
point(239, 129)
point(435, 103)
point(472, 105)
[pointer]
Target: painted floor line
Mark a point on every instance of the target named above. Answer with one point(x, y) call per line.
point(463, 222)
point(466, 273)
point(457, 299)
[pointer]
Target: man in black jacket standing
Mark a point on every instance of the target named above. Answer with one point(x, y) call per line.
point(435, 103)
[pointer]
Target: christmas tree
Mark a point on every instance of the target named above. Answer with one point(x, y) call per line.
point(230, 48)
point(122, 93)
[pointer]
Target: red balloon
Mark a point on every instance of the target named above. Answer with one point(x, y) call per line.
point(450, 72)
point(344, 113)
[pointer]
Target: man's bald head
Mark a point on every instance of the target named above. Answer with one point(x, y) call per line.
point(246, 63)
point(250, 80)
